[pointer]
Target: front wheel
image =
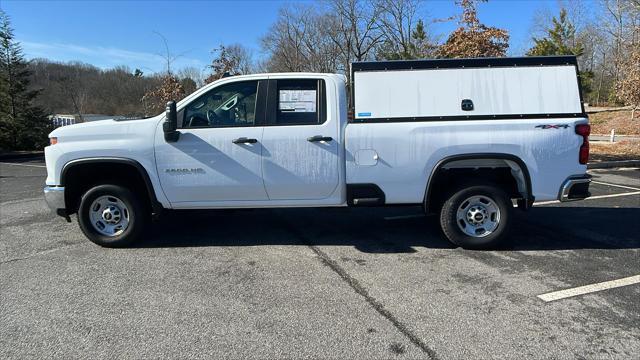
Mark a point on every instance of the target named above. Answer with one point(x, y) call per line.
point(111, 215)
point(476, 217)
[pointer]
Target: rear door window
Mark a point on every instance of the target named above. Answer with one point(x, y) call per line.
point(299, 102)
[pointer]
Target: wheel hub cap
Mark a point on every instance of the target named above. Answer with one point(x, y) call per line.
point(109, 215)
point(478, 216)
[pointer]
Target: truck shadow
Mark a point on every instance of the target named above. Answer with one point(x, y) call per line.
point(390, 230)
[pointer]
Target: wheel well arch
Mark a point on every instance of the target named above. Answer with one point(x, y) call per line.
point(489, 162)
point(79, 175)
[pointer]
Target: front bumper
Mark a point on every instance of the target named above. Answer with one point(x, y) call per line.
point(575, 188)
point(54, 196)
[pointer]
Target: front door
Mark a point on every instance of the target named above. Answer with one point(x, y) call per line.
point(218, 156)
point(300, 141)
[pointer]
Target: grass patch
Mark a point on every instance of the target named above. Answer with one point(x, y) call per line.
point(621, 150)
point(603, 122)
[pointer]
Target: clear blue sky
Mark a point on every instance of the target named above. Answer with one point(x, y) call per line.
point(112, 33)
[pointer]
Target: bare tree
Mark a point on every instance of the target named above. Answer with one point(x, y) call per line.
point(398, 20)
point(628, 86)
point(167, 55)
point(300, 40)
point(193, 73)
point(620, 21)
point(74, 85)
point(243, 57)
point(284, 40)
point(357, 30)
point(233, 59)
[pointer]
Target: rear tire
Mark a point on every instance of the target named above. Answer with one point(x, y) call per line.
point(112, 216)
point(476, 216)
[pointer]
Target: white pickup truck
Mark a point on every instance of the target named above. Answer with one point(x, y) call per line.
point(468, 139)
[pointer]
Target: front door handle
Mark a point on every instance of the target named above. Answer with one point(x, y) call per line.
point(244, 140)
point(319, 138)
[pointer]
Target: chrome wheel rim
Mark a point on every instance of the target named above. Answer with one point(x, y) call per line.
point(478, 216)
point(109, 215)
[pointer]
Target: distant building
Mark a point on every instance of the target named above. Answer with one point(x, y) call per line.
point(69, 119)
point(62, 120)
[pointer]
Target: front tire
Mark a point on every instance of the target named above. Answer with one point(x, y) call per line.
point(111, 215)
point(476, 217)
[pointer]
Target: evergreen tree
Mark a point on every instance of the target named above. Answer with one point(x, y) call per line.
point(560, 39)
point(421, 46)
point(23, 126)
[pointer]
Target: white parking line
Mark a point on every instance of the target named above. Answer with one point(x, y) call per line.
point(587, 289)
point(590, 198)
point(616, 185)
point(29, 165)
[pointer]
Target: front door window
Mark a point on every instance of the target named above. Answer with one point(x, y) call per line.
point(229, 105)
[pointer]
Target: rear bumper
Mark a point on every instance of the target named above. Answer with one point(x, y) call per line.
point(575, 188)
point(54, 196)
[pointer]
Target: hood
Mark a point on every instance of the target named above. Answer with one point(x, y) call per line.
point(100, 128)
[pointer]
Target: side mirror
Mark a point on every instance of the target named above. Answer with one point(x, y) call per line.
point(171, 123)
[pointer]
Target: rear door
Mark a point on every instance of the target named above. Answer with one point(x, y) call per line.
point(300, 156)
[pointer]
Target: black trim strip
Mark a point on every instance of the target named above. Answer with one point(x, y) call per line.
point(463, 63)
point(477, 156)
point(155, 204)
point(261, 103)
point(578, 78)
point(468, 117)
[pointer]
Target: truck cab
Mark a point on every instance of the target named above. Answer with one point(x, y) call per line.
point(257, 141)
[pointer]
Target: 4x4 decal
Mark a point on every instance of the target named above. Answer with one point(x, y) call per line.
point(550, 126)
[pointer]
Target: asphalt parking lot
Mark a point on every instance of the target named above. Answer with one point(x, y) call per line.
point(320, 283)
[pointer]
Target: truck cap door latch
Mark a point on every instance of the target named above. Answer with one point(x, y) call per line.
point(466, 105)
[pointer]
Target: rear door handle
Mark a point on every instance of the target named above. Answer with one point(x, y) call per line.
point(244, 140)
point(319, 138)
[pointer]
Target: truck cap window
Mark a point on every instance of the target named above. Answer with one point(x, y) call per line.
point(227, 105)
point(300, 102)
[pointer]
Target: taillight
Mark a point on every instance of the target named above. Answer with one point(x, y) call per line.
point(53, 140)
point(584, 130)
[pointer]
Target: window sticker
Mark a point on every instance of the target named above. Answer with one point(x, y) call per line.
point(298, 101)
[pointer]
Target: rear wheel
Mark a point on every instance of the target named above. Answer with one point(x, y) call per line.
point(111, 215)
point(476, 217)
